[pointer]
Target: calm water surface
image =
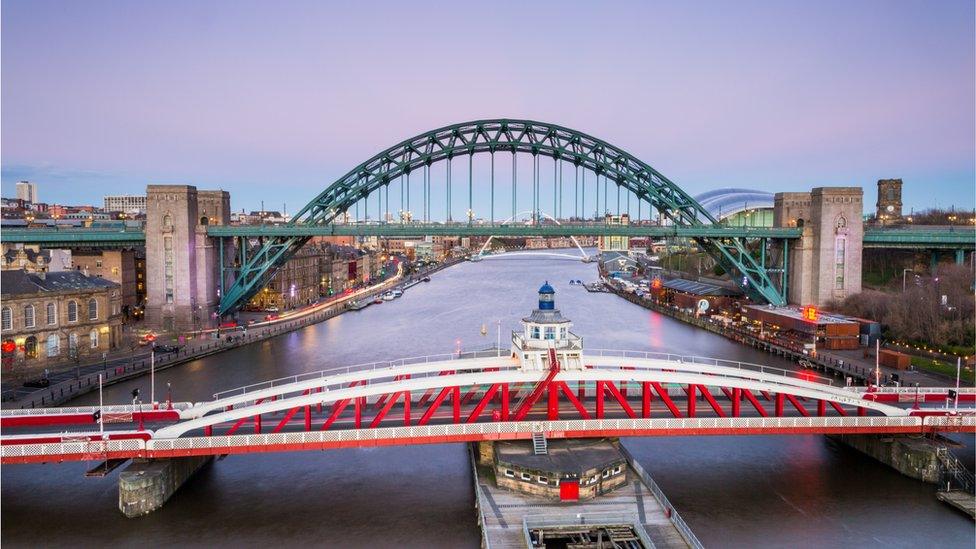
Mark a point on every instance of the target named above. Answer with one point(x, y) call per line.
point(801, 491)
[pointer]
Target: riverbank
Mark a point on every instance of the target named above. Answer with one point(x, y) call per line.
point(859, 371)
point(86, 382)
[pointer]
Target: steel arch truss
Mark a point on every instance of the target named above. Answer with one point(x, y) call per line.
point(514, 136)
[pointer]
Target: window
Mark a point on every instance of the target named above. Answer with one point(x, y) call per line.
point(98, 263)
point(29, 316)
point(543, 480)
point(526, 476)
point(616, 470)
point(72, 311)
point(606, 473)
point(168, 267)
point(562, 333)
point(7, 319)
point(550, 332)
point(93, 336)
point(53, 345)
point(92, 309)
point(52, 314)
point(536, 333)
point(167, 220)
point(509, 473)
point(73, 341)
point(840, 245)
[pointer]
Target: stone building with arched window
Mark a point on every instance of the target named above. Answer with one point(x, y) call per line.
point(52, 319)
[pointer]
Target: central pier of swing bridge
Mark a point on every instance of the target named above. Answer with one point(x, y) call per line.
point(545, 386)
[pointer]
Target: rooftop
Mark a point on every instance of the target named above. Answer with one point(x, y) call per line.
point(699, 288)
point(19, 282)
point(565, 455)
point(789, 312)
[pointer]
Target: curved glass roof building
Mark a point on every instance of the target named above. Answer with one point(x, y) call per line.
point(723, 203)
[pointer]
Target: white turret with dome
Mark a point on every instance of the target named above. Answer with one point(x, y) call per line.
point(547, 329)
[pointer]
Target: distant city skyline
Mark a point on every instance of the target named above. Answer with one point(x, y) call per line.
point(274, 103)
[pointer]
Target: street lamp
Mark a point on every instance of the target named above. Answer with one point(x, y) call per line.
point(903, 273)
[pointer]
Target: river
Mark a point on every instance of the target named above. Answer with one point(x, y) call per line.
point(775, 491)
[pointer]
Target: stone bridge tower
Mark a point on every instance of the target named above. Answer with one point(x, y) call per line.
point(182, 267)
point(825, 264)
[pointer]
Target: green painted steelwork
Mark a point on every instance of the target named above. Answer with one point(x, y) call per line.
point(921, 238)
point(503, 135)
point(515, 229)
point(75, 237)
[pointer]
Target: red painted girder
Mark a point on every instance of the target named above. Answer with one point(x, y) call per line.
point(666, 399)
point(576, 402)
point(796, 404)
point(622, 400)
point(752, 398)
point(433, 406)
point(489, 394)
point(711, 401)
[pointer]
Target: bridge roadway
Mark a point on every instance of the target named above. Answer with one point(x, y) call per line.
point(438, 400)
point(874, 237)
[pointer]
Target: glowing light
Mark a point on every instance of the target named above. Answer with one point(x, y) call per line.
point(810, 313)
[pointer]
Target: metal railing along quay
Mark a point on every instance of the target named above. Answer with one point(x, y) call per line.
point(669, 510)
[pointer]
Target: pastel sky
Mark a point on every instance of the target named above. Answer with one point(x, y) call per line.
point(276, 100)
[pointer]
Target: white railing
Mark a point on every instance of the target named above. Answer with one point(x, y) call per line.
point(499, 430)
point(501, 353)
point(479, 499)
point(56, 450)
point(364, 367)
point(118, 408)
point(707, 361)
point(679, 523)
point(913, 390)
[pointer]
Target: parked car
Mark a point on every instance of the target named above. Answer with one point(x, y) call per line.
point(166, 349)
point(39, 383)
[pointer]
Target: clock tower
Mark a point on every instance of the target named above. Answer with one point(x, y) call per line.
point(889, 200)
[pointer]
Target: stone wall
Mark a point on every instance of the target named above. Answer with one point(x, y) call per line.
point(825, 264)
point(182, 262)
point(911, 456)
point(146, 485)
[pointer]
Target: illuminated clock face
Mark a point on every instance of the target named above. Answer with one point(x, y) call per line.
point(890, 208)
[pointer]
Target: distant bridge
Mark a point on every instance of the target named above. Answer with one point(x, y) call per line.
point(431, 400)
point(944, 238)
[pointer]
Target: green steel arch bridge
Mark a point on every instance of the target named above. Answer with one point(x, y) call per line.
point(741, 251)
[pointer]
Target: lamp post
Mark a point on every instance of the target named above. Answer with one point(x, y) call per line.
point(903, 273)
point(152, 375)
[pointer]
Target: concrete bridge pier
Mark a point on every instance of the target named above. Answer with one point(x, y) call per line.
point(146, 485)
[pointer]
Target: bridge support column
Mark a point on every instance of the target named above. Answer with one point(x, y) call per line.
point(825, 264)
point(910, 456)
point(146, 485)
point(960, 256)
